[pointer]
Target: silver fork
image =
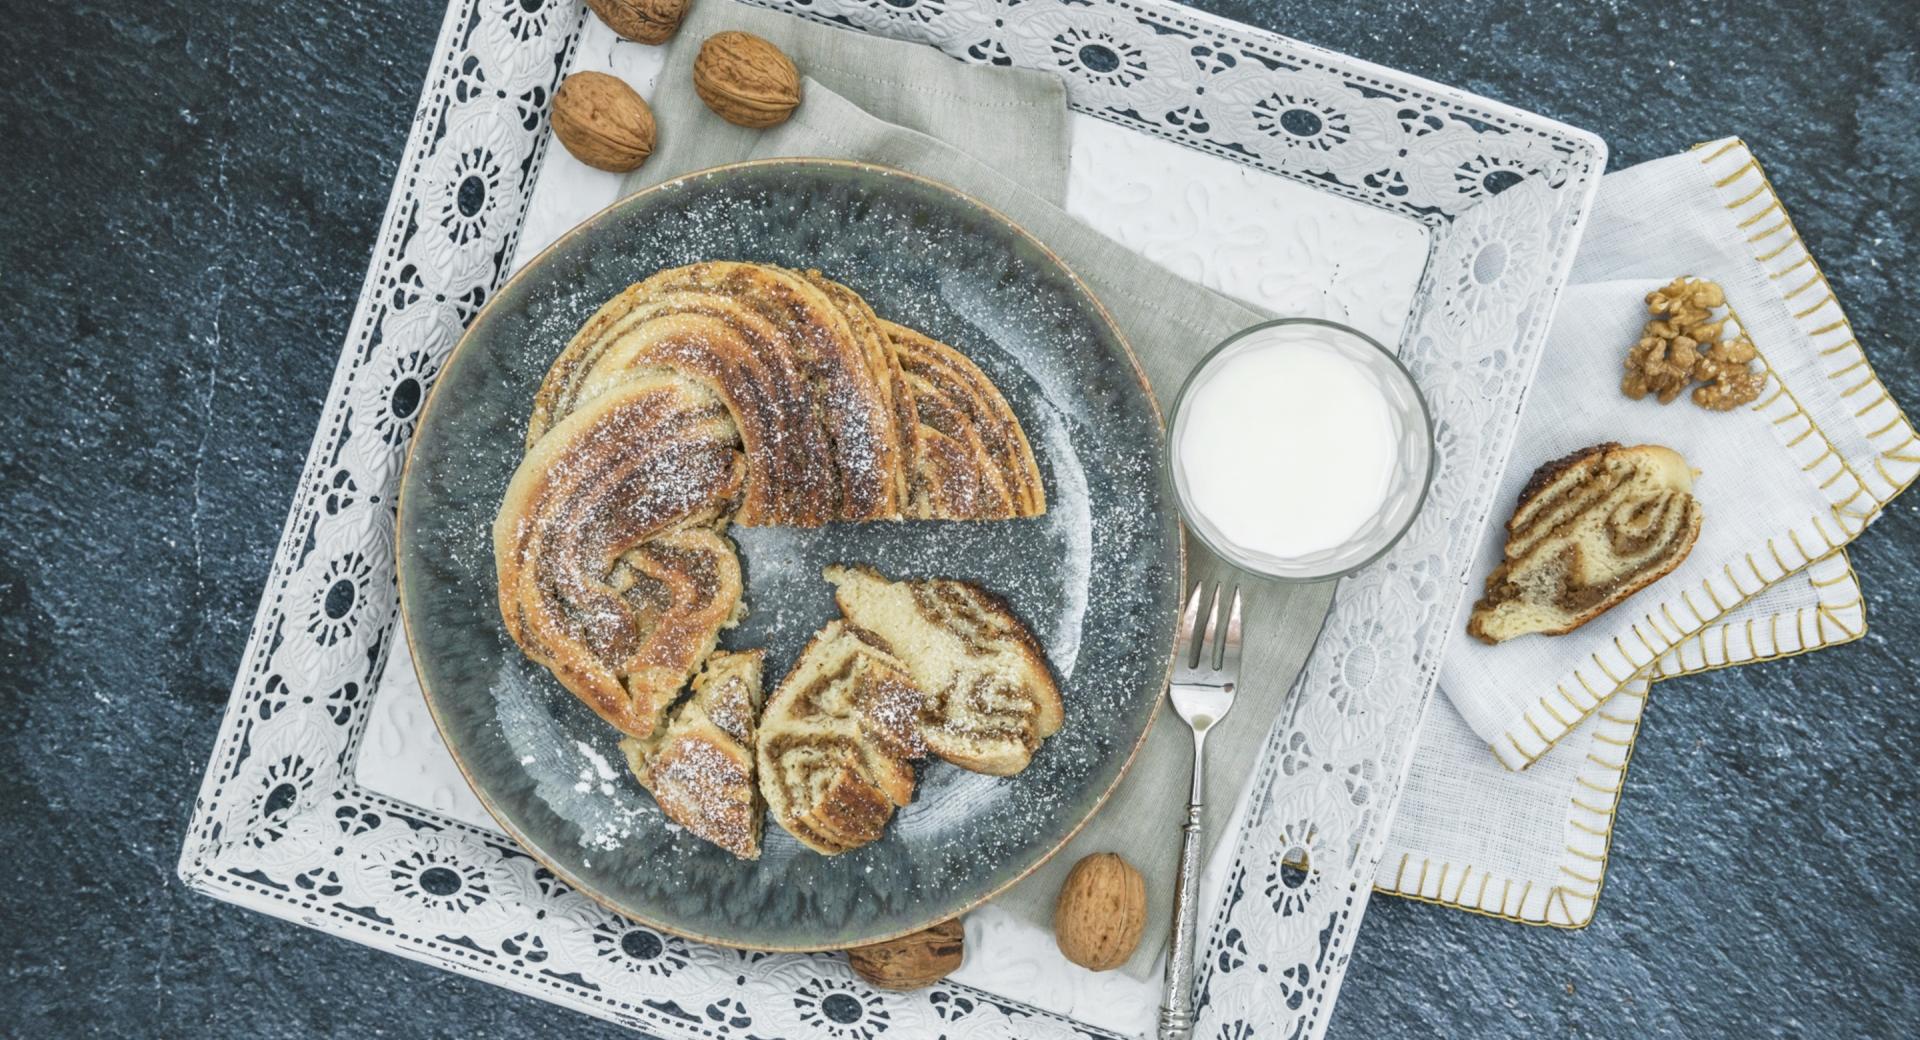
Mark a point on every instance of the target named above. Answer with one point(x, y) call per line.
point(1204, 677)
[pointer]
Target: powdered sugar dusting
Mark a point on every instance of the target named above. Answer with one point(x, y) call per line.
point(1070, 522)
point(575, 778)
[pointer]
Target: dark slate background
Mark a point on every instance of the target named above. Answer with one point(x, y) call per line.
point(192, 192)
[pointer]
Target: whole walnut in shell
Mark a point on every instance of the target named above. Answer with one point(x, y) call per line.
point(912, 961)
point(603, 122)
point(746, 80)
point(643, 21)
point(1101, 913)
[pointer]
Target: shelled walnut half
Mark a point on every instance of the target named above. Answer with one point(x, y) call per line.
point(1729, 379)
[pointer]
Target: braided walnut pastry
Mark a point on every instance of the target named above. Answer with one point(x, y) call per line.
point(612, 571)
point(740, 393)
point(716, 393)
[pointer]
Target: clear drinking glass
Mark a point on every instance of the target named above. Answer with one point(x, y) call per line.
point(1408, 482)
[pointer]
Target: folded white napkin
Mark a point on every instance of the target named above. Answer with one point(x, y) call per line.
point(1778, 485)
point(1532, 845)
point(1824, 450)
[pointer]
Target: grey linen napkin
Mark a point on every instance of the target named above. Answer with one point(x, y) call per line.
point(1000, 135)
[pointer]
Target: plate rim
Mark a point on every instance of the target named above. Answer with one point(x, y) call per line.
point(607, 214)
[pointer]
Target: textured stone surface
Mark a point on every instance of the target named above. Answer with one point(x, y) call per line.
point(194, 190)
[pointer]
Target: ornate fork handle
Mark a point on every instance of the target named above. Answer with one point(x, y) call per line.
point(1176, 1003)
point(1204, 676)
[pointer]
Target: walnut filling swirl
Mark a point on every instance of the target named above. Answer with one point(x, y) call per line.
point(1591, 530)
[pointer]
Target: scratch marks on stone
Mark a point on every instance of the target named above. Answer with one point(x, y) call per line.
point(223, 201)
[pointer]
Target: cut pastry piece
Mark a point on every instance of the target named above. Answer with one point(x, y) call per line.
point(968, 458)
point(611, 570)
point(1591, 530)
point(700, 766)
point(990, 698)
point(836, 742)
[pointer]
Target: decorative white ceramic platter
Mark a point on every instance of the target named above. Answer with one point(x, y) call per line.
point(1302, 181)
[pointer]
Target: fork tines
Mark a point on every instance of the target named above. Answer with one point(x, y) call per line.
point(1212, 646)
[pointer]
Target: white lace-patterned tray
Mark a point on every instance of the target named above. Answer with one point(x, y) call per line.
point(1297, 179)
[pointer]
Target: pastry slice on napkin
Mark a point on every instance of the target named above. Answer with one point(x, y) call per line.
point(1591, 529)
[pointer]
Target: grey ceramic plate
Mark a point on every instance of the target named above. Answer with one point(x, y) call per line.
point(1096, 578)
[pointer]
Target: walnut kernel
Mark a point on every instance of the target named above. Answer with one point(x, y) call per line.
point(1686, 301)
point(1729, 390)
point(1681, 343)
point(1728, 381)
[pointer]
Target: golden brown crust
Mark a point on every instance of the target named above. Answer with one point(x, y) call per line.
point(970, 456)
point(1552, 470)
point(781, 355)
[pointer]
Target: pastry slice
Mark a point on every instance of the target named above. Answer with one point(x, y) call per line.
point(968, 457)
point(699, 765)
point(990, 698)
point(836, 742)
point(1591, 530)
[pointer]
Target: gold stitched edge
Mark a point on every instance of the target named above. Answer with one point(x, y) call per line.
point(1841, 512)
point(1698, 642)
point(1820, 639)
point(1806, 316)
point(1782, 393)
point(1820, 633)
point(1563, 896)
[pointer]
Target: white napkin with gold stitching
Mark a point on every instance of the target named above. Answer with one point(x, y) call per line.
point(1532, 845)
point(1777, 488)
point(1765, 516)
point(1823, 450)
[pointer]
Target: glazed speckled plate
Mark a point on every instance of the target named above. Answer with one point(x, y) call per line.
point(1096, 578)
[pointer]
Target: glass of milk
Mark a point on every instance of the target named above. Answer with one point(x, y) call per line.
point(1300, 449)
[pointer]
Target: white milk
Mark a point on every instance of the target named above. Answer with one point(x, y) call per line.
point(1287, 448)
